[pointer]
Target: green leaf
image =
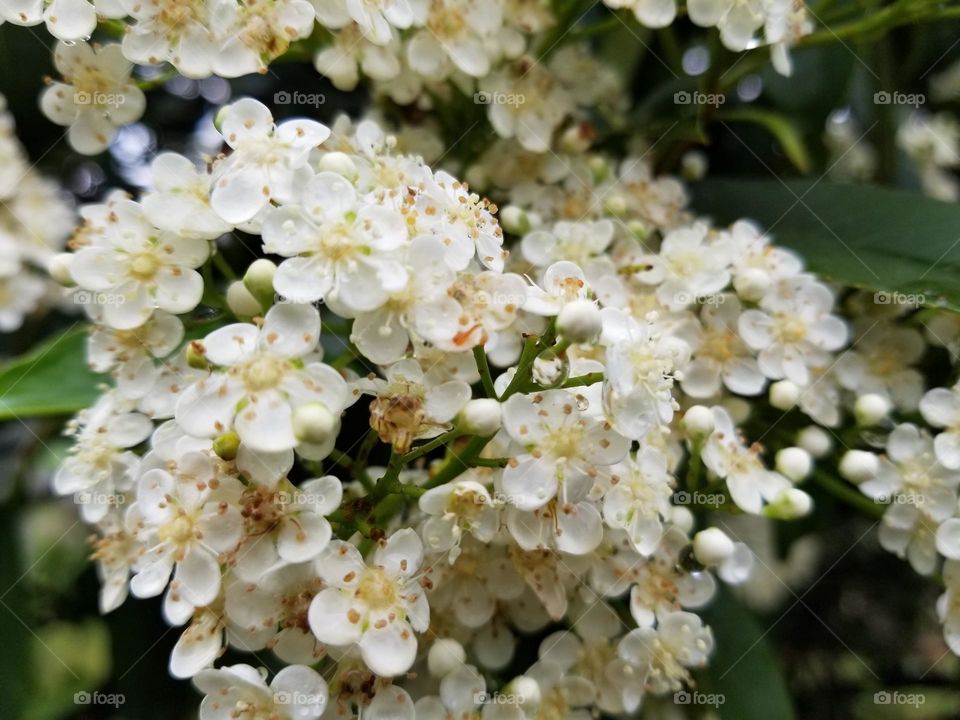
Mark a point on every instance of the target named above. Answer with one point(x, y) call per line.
point(858, 235)
point(779, 126)
point(743, 669)
point(53, 379)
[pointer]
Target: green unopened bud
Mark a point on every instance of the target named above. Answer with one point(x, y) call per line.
point(790, 504)
point(514, 220)
point(226, 445)
point(197, 356)
point(638, 229)
point(259, 281)
point(241, 301)
point(599, 168)
point(313, 423)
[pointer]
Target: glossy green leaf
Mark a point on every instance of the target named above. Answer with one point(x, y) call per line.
point(858, 235)
point(53, 379)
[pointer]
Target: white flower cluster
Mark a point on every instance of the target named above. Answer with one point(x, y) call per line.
point(35, 222)
point(571, 480)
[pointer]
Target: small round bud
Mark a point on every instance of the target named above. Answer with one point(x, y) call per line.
point(599, 168)
point(712, 547)
point(481, 417)
point(738, 409)
point(226, 445)
point(241, 301)
point(693, 165)
point(871, 409)
point(59, 269)
point(639, 229)
point(784, 395)
point(790, 504)
point(577, 138)
point(338, 162)
point(682, 518)
point(580, 321)
point(615, 205)
point(197, 356)
point(752, 284)
point(794, 463)
point(313, 423)
point(526, 690)
point(858, 466)
point(259, 281)
point(514, 220)
point(698, 421)
point(815, 440)
point(445, 656)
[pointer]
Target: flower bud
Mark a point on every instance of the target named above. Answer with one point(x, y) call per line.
point(514, 220)
point(481, 417)
point(712, 547)
point(197, 356)
point(790, 504)
point(682, 518)
point(693, 165)
point(526, 690)
point(259, 281)
point(599, 168)
point(226, 445)
point(784, 395)
point(639, 229)
point(59, 269)
point(698, 421)
point(752, 284)
point(340, 163)
point(815, 440)
point(445, 656)
point(794, 463)
point(313, 423)
point(858, 466)
point(241, 301)
point(615, 205)
point(579, 321)
point(871, 409)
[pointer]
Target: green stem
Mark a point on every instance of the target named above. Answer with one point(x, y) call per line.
point(843, 491)
point(422, 450)
point(486, 379)
point(582, 380)
point(224, 267)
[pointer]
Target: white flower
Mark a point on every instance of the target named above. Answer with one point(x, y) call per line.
point(652, 13)
point(375, 607)
point(129, 354)
point(941, 408)
point(664, 653)
point(562, 446)
point(267, 163)
point(750, 483)
point(881, 361)
point(793, 330)
point(457, 31)
point(96, 97)
point(68, 20)
point(341, 247)
point(267, 374)
point(464, 506)
point(180, 201)
point(563, 283)
point(186, 520)
point(139, 268)
point(297, 692)
point(375, 19)
point(578, 242)
point(352, 52)
point(100, 464)
point(637, 497)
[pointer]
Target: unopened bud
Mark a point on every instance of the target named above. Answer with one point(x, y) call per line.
point(693, 165)
point(197, 356)
point(698, 421)
point(784, 395)
point(259, 281)
point(340, 163)
point(514, 220)
point(752, 284)
point(59, 269)
point(313, 423)
point(712, 547)
point(526, 690)
point(579, 321)
point(481, 417)
point(790, 504)
point(815, 440)
point(794, 463)
point(858, 466)
point(445, 656)
point(871, 409)
point(241, 301)
point(226, 445)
